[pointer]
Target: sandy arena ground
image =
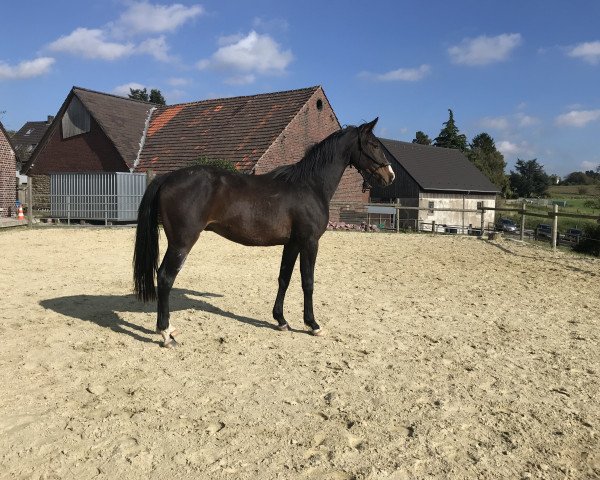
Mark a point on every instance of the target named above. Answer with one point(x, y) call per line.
point(445, 357)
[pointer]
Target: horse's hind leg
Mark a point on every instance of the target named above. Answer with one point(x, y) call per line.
point(171, 265)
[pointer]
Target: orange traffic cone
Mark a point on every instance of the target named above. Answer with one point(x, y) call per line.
point(20, 215)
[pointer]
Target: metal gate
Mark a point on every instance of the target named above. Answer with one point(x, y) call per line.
point(111, 196)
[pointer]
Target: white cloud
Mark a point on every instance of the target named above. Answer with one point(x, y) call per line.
point(585, 165)
point(247, 56)
point(144, 17)
point(400, 74)
point(526, 120)
point(587, 51)
point(484, 50)
point(504, 123)
point(91, 43)
point(26, 68)
point(178, 82)
point(495, 123)
point(508, 148)
point(156, 47)
point(273, 24)
point(123, 90)
point(241, 79)
point(578, 118)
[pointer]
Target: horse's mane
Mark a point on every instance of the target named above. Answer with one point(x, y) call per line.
point(313, 162)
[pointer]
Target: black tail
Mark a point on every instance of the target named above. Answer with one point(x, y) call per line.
point(145, 255)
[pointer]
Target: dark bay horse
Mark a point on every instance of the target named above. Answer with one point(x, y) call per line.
point(288, 206)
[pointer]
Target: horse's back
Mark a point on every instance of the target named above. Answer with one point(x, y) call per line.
point(247, 209)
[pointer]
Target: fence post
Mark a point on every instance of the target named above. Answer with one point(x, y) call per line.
point(482, 217)
point(68, 209)
point(30, 201)
point(433, 227)
point(397, 215)
point(554, 226)
point(523, 207)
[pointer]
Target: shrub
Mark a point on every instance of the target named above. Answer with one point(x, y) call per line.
point(590, 244)
point(215, 162)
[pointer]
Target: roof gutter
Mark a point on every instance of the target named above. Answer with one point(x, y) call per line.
point(143, 139)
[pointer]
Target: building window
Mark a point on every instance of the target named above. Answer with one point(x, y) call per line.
point(319, 104)
point(479, 205)
point(76, 119)
point(431, 207)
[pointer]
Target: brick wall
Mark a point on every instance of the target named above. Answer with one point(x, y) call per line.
point(310, 126)
point(8, 180)
point(41, 192)
point(89, 152)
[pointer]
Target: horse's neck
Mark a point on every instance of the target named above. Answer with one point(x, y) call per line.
point(332, 173)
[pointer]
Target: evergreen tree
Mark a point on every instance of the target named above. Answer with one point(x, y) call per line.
point(450, 137)
point(530, 179)
point(138, 94)
point(489, 161)
point(142, 94)
point(421, 138)
point(156, 97)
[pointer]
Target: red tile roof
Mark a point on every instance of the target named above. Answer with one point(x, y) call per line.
point(239, 129)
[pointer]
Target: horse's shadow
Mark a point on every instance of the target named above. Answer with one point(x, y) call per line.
point(103, 310)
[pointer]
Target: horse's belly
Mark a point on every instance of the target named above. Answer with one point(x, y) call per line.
point(252, 232)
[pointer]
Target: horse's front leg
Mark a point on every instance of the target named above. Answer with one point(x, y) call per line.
point(308, 257)
point(288, 260)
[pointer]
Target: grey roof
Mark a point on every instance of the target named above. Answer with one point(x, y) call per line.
point(436, 168)
point(122, 119)
point(30, 134)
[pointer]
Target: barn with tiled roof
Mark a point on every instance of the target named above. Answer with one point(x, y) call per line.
point(99, 132)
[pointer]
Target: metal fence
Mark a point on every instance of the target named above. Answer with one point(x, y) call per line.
point(108, 197)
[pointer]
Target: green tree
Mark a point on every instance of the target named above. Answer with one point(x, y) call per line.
point(578, 178)
point(421, 138)
point(450, 137)
point(142, 94)
point(156, 97)
point(484, 155)
point(529, 179)
point(139, 94)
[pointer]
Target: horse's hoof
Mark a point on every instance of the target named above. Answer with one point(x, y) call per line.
point(319, 332)
point(283, 328)
point(172, 343)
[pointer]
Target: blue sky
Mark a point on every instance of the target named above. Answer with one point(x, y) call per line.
point(527, 72)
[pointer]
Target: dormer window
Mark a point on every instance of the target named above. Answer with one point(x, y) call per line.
point(76, 119)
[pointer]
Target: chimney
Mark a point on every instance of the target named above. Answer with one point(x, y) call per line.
point(50, 119)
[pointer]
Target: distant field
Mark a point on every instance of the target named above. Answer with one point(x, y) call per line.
point(562, 191)
point(575, 197)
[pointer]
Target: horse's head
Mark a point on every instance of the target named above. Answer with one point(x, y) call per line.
point(368, 156)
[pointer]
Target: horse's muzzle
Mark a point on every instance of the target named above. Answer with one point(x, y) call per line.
point(384, 175)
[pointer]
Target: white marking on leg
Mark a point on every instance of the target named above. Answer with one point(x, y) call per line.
point(166, 334)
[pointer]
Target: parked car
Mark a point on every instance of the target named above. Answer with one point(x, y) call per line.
point(506, 225)
point(543, 230)
point(573, 235)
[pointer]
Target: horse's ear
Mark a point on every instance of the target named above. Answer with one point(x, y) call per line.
point(368, 127)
